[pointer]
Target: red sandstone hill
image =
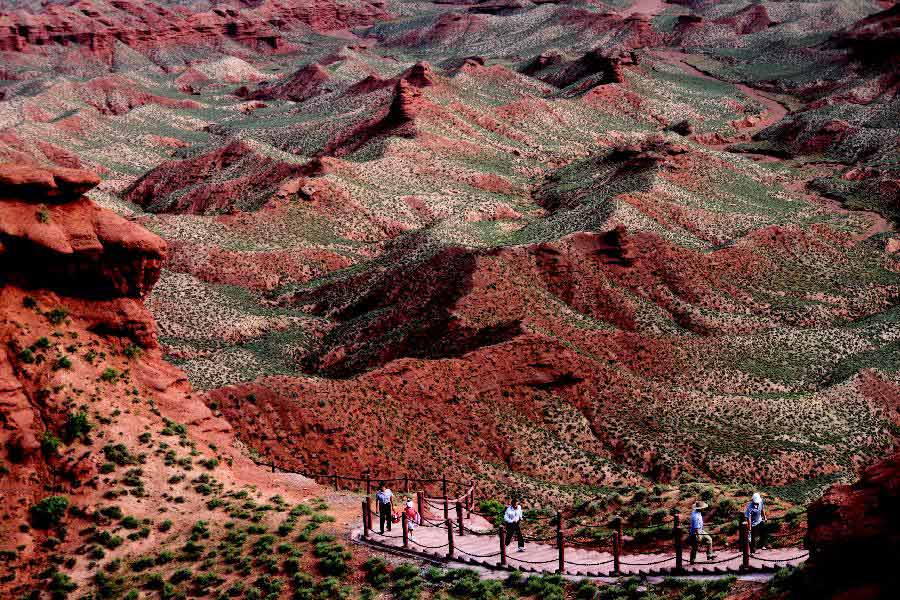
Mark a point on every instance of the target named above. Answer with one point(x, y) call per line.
point(84, 391)
point(95, 26)
point(854, 537)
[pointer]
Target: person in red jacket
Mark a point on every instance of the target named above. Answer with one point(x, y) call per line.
point(412, 516)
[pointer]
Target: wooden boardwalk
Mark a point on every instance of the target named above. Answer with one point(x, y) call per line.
point(478, 546)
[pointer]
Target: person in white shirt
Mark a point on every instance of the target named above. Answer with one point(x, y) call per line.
point(512, 519)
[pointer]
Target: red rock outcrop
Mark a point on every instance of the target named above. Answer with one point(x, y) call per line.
point(52, 237)
point(245, 179)
point(72, 281)
point(854, 536)
point(875, 39)
point(307, 82)
point(96, 26)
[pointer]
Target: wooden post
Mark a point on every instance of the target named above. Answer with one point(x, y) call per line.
point(745, 544)
point(273, 465)
point(336, 488)
point(404, 523)
point(449, 538)
point(420, 502)
point(617, 547)
point(368, 484)
point(459, 518)
point(406, 483)
point(444, 485)
point(560, 544)
point(502, 546)
point(676, 535)
point(365, 517)
point(369, 509)
point(446, 508)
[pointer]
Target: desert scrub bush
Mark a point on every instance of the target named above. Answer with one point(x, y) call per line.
point(107, 539)
point(407, 582)
point(60, 585)
point(206, 580)
point(132, 351)
point(376, 572)
point(108, 586)
point(49, 444)
point(130, 522)
point(493, 508)
point(77, 426)
point(143, 563)
point(585, 590)
point(110, 375)
point(548, 587)
point(165, 525)
point(63, 362)
point(57, 315)
point(119, 454)
point(48, 512)
point(332, 556)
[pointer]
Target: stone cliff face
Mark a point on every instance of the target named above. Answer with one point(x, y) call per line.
point(854, 535)
point(81, 372)
point(53, 237)
point(97, 26)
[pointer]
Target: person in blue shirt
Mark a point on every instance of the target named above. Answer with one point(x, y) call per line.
point(756, 516)
point(698, 535)
point(384, 499)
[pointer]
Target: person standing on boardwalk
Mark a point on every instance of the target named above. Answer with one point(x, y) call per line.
point(384, 498)
point(512, 519)
point(413, 518)
point(697, 534)
point(756, 516)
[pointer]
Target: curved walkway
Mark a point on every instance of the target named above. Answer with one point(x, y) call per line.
point(479, 545)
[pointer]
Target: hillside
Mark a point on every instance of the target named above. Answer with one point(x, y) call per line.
point(560, 247)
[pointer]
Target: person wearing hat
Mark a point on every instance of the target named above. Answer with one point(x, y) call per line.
point(413, 518)
point(697, 535)
point(756, 516)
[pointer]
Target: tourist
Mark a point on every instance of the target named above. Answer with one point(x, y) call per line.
point(384, 498)
point(412, 516)
point(512, 519)
point(756, 516)
point(697, 534)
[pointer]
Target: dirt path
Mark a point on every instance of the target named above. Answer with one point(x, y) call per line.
point(774, 110)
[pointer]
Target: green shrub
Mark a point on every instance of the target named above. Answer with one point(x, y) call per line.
point(130, 522)
point(407, 582)
point(180, 575)
point(77, 426)
point(49, 444)
point(63, 362)
point(49, 512)
point(376, 572)
point(332, 557)
point(110, 374)
point(60, 586)
point(119, 454)
point(165, 525)
point(57, 315)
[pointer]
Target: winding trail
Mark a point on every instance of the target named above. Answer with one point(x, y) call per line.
point(480, 546)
